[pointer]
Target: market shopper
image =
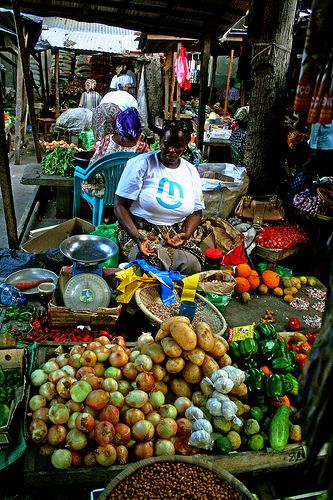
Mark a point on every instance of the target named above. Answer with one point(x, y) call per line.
point(238, 135)
point(125, 137)
point(104, 116)
point(321, 145)
point(122, 80)
point(90, 99)
point(159, 205)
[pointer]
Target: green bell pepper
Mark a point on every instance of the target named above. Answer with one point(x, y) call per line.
point(290, 383)
point(255, 379)
point(282, 364)
point(268, 348)
point(248, 347)
point(267, 331)
point(234, 349)
point(274, 386)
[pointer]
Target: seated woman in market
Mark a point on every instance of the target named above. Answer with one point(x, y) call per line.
point(159, 205)
point(125, 138)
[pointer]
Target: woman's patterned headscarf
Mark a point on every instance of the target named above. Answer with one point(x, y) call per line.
point(104, 120)
point(242, 114)
point(90, 84)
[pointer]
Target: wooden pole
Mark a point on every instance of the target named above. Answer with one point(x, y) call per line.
point(212, 83)
point(205, 54)
point(56, 78)
point(178, 94)
point(173, 83)
point(167, 72)
point(226, 100)
point(41, 76)
point(19, 111)
point(28, 82)
point(5, 181)
point(47, 84)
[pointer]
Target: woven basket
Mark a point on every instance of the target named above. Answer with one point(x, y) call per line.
point(207, 312)
point(194, 460)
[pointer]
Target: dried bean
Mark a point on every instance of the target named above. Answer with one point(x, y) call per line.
point(174, 480)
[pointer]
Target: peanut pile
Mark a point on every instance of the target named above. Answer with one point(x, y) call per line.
point(164, 481)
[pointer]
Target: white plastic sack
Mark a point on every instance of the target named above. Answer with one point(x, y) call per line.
point(75, 120)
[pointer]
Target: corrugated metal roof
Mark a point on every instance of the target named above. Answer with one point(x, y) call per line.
point(184, 18)
point(89, 37)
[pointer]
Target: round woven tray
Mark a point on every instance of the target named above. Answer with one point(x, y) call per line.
point(206, 311)
point(193, 460)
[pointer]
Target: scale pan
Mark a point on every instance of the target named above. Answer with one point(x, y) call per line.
point(88, 249)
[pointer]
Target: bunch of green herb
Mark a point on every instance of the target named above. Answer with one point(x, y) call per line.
point(87, 140)
point(59, 161)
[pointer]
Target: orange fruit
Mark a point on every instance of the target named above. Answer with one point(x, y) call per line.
point(287, 291)
point(288, 298)
point(270, 278)
point(242, 285)
point(243, 270)
point(254, 281)
point(278, 291)
point(294, 290)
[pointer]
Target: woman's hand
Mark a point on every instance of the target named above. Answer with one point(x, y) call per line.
point(177, 240)
point(145, 246)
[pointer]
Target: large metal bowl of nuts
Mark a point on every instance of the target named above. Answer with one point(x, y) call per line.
point(175, 477)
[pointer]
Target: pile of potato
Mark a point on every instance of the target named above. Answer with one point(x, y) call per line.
point(190, 353)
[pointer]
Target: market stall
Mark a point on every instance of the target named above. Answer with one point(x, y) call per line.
point(222, 386)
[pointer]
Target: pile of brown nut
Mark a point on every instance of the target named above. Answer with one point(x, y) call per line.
point(170, 481)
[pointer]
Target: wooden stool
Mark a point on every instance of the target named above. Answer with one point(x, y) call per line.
point(44, 125)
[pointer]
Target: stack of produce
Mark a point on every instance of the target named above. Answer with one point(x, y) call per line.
point(10, 379)
point(99, 403)
point(248, 280)
point(281, 236)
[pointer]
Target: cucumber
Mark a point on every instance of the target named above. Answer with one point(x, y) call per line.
point(279, 428)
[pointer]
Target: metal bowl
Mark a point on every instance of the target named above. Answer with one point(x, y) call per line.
point(32, 274)
point(88, 249)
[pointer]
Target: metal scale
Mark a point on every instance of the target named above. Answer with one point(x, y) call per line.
point(87, 289)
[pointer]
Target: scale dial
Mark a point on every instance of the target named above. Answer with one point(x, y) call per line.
point(86, 292)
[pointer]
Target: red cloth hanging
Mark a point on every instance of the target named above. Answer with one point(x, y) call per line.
point(182, 70)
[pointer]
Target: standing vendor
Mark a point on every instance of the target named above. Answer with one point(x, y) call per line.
point(159, 205)
point(90, 99)
point(122, 80)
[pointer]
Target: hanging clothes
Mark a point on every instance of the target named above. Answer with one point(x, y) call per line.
point(314, 92)
point(182, 70)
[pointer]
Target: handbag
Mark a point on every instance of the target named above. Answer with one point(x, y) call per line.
point(260, 209)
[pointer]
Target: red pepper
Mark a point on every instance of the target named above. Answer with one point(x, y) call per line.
point(294, 324)
point(302, 363)
point(295, 347)
point(305, 348)
point(311, 337)
point(300, 357)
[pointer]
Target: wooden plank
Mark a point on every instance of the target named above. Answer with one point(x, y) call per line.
point(19, 112)
point(28, 82)
point(5, 182)
point(33, 176)
point(28, 211)
point(56, 78)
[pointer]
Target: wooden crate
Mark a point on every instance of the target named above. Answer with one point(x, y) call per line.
point(276, 255)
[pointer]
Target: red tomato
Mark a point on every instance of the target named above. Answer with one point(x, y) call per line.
point(294, 324)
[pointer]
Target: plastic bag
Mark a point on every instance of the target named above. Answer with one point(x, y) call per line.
point(14, 260)
point(214, 407)
point(202, 424)
point(201, 439)
point(193, 413)
point(109, 231)
point(74, 120)
point(224, 385)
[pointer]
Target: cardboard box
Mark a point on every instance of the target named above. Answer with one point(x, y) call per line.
point(53, 237)
point(13, 358)
point(62, 316)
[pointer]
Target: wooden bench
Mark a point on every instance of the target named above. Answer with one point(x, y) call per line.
point(32, 175)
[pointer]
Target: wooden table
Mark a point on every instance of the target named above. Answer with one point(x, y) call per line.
point(211, 143)
point(32, 175)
